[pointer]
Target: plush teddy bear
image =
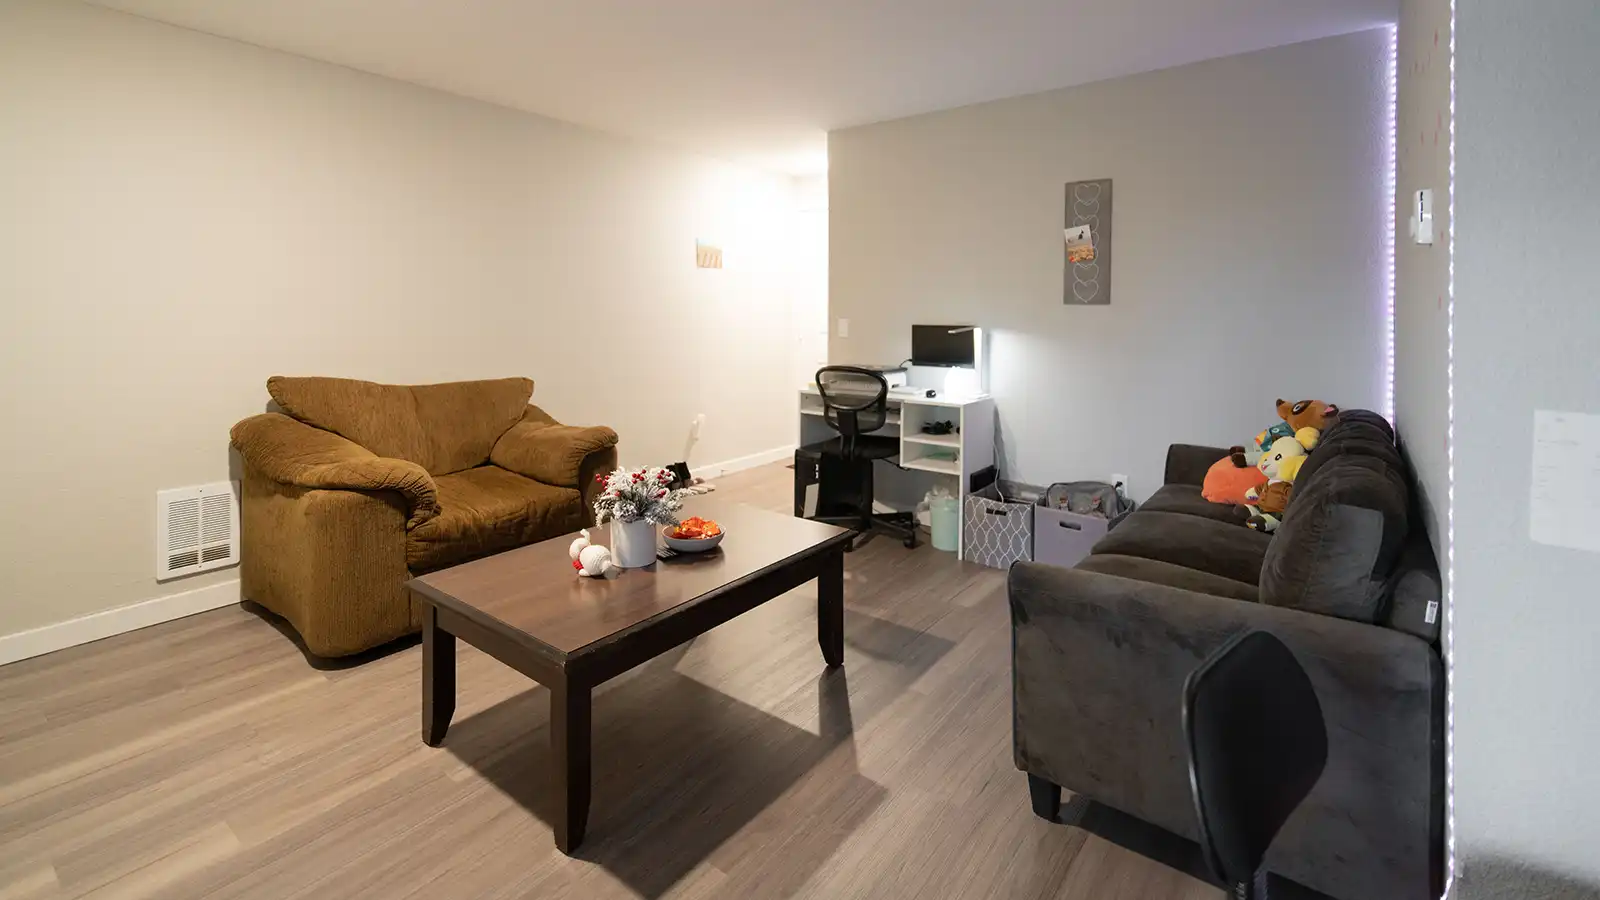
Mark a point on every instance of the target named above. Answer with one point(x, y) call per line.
point(1281, 463)
point(1308, 419)
point(1304, 420)
point(591, 560)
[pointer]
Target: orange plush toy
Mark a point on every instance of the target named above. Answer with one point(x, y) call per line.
point(1226, 484)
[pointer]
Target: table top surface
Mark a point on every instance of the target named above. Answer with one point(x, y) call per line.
point(914, 396)
point(535, 590)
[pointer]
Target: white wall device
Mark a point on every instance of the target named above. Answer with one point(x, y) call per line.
point(1422, 216)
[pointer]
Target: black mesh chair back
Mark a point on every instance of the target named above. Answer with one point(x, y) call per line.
point(1257, 745)
point(855, 401)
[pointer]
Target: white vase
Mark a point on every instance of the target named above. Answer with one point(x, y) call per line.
point(633, 544)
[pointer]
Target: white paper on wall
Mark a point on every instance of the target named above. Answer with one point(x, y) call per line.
point(1565, 509)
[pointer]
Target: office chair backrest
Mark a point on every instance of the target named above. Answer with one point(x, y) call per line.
point(855, 401)
point(1257, 745)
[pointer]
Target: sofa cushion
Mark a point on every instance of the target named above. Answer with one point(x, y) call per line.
point(1187, 499)
point(487, 510)
point(442, 427)
point(1339, 539)
point(1191, 541)
point(1157, 572)
point(1357, 432)
point(553, 454)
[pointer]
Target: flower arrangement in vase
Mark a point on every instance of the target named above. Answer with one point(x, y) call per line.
point(635, 501)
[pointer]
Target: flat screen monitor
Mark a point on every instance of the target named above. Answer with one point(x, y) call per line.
point(944, 345)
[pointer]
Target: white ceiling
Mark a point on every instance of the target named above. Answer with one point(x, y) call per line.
point(759, 81)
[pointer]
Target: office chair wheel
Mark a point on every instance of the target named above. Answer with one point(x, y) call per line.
point(911, 542)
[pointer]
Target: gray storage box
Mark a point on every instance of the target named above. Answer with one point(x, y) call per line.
point(1061, 538)
point(996, 532)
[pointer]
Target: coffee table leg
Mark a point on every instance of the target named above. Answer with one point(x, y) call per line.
point(830, 609)
point(569, 738)
point(438, 677)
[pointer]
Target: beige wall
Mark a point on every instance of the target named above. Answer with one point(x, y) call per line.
point(184, 216)
point(1251, 210)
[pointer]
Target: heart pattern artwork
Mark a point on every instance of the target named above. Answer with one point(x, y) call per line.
point(1089, 203)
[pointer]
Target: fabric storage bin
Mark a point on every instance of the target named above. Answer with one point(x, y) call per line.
point(996, 532)
point(1061, 538)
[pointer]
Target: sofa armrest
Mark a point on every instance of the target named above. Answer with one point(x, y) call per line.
point(540, 448)
point(1099, 664)
point(1188, 463)
point(294, 453)
point(596, 464)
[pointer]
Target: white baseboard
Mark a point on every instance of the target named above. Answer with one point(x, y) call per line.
point(709, 471)
point(93, 627)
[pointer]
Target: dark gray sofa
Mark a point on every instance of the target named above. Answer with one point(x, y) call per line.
point(1101, 651)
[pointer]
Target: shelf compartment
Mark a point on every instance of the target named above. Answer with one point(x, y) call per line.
point(937, 440)
point(925, 464)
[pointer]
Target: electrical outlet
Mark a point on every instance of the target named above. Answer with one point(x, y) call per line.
point(1122, 480)
point(844, 328)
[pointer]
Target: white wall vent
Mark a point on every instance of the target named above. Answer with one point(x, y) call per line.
point(197, 529)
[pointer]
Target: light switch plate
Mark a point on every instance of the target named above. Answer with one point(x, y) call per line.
point(844, 328)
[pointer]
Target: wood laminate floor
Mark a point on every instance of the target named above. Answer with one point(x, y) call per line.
point(206, 758)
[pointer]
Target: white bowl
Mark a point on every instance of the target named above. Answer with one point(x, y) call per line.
point(691, 545)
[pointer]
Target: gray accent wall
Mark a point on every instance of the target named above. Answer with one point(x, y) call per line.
point(1527, 615)
point(1422, 273)
point(1252, 213)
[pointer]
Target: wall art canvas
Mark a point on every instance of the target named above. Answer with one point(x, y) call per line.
point(1087, 258)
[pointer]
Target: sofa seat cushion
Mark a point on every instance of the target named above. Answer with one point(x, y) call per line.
point(1190, 541)
point(487, 510)
point(1156, 572)
point(1186, 499)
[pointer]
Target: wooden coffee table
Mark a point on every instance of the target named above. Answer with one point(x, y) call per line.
point(529, 609)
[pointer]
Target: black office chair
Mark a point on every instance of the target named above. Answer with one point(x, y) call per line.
point(1257, 745)
point(855, 403)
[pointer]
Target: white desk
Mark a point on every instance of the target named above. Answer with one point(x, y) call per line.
point(952, 459)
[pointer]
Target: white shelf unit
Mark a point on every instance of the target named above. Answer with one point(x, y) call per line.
point(930, 452)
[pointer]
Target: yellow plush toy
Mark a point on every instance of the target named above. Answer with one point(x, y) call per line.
point(1281, 463)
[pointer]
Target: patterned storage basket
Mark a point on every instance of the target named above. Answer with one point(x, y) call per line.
point(996, 532)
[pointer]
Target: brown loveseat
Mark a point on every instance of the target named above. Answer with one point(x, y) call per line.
point(362, 485)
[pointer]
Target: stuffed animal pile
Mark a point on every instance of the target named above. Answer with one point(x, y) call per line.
point(1304, 421)
point(1284, 447)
